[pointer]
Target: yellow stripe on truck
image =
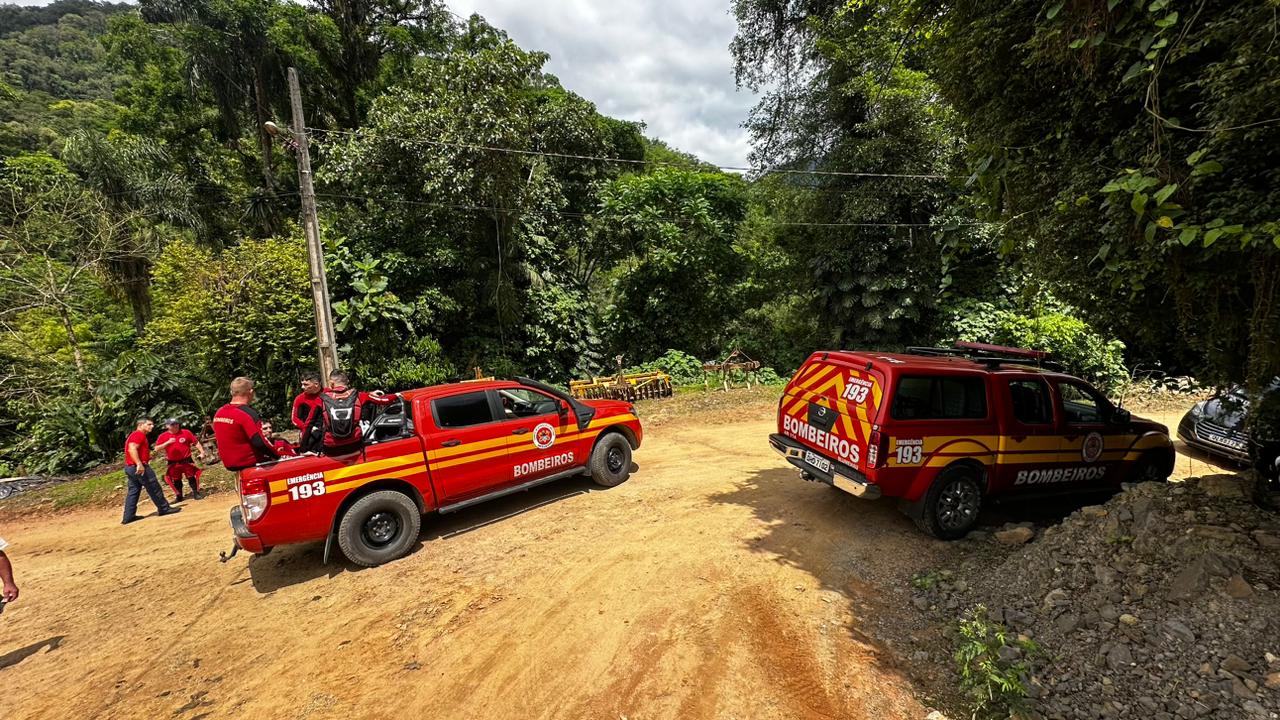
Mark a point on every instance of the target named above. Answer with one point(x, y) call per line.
point(280, 486)
point(359, 469)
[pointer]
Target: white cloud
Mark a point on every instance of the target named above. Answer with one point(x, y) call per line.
point(663, 62)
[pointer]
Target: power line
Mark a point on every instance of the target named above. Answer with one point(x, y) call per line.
point(580, 215)
point(601, 158)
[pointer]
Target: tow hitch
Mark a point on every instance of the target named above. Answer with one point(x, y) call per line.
point(224, 556)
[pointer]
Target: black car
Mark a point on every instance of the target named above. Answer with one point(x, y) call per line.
point(1217, 426)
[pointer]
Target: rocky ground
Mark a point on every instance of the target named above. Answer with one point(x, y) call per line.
point(1161, 603)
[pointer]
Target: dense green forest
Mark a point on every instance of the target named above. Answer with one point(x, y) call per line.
point(1101, 179)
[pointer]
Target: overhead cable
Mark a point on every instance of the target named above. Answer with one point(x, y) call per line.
point(629, 161)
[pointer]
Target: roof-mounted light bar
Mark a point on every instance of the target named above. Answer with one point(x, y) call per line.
point(1003, 350)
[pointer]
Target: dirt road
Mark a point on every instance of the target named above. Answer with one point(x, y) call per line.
point(713, 584)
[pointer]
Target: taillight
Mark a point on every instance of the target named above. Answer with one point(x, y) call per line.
point(874, 449)
point(253, 498)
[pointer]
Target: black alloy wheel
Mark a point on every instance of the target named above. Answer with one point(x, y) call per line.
point(950, 509)
point(379, 527)
point(610, 461)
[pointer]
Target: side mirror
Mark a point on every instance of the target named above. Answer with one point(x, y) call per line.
point(1120, 416)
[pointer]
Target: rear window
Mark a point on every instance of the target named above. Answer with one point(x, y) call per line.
point(939, 398)
point(462, 410)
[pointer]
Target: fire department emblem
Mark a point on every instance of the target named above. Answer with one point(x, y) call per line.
point(1091, 449)
point(544, 436)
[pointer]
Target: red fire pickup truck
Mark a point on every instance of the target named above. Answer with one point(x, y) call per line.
point(438, 449)
point(946, 429)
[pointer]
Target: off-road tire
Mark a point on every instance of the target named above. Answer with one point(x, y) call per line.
point(1148, 468)
point(610, 462)
point(955, 490)
point(379, 527)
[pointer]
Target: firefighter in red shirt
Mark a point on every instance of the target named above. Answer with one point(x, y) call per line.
point(237, 430)
point(282, 446)
point(343, 409)
point(137, 468)
point(177, 441)
point(307, 409)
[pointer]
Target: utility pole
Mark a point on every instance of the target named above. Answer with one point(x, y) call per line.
point(327, 347)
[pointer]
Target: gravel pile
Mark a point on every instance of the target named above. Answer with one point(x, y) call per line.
point(1162, 603)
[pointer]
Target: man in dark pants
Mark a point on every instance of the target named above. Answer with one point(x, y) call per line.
point(137, 454)
point(307, 411)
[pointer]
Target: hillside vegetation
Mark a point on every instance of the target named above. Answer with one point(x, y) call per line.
point(1096, 179)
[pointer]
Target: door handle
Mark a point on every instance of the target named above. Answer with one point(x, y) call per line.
point(451, 443)
point(519, 431)
point(1070, 437)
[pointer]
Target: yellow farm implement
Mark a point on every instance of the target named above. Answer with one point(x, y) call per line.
point(623, 386)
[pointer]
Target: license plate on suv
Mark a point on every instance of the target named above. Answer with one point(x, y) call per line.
point(817, 461)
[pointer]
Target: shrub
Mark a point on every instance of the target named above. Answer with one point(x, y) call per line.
point(683, 368)
point(992, 666)
point(1070, 341)
point(423, 365)
point(244, 311)
point(86, 424)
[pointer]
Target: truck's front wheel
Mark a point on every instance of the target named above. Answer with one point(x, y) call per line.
point(950, 508)
point(379, 528)
point(610, 463)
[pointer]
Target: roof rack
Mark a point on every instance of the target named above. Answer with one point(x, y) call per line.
point(989, 355)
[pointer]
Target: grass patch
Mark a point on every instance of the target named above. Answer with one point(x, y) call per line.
point(86, 491)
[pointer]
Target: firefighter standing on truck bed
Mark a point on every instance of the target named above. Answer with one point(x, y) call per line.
point(237, 430)
point(177, 441)
point(343, 408)
point(307, 409)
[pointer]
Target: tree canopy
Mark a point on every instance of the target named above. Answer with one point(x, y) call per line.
point(1099, 179)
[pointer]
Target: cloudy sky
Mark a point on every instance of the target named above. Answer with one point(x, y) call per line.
point(663, 62)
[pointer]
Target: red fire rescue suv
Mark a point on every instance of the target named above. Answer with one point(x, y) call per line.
point(438, 449)
point(943, 429)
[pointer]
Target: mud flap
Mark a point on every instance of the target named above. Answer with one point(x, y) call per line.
point(328, 543)
point(912, 509)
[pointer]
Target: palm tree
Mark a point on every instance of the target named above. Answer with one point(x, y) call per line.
point(145, 200)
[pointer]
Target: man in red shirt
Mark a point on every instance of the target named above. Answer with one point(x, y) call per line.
point(343, 412)
point(237, 429)
point(281, 445)
point(307, 411)
point(137, 456)
point(177, 441)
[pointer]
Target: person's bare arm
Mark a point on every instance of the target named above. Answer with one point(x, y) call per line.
point(200, 448)
point(10, 589)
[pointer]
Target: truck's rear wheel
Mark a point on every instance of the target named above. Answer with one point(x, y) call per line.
point(379, 528)
point(950, 508)
point(610, 462)
point(1151, 467)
